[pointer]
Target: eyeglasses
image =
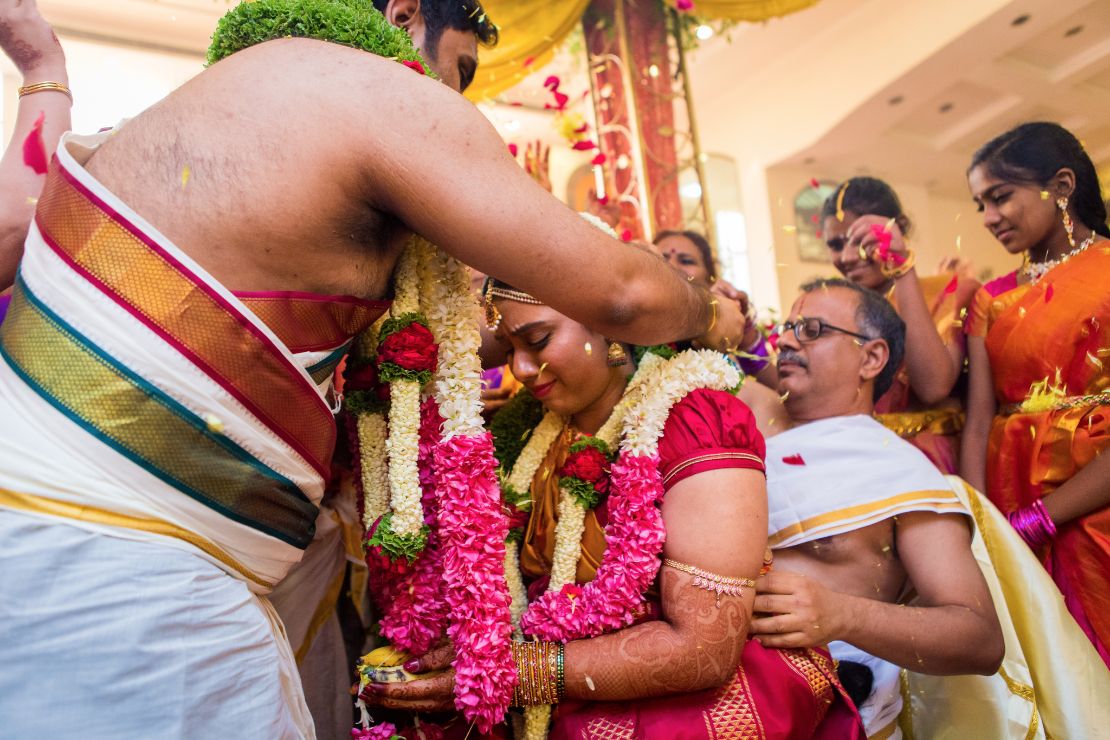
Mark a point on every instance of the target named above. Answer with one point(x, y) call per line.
point(809, 330)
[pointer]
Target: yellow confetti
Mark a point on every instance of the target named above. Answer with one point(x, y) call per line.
point(32, 200)
point(1094, 360)
point(590, 683)
point(215, 425)
point(789, 229)
point(1043, 395)
point(1032, 432)
point(1021, 312)
point(771, 423)
point(959, 242)
point(589, 348)
point(958, 216)
point(185, 173)
point(544, 365)
point(1045, 195)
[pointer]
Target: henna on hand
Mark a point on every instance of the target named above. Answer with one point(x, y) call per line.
point(697, 647)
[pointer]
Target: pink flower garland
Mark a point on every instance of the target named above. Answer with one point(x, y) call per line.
point(634, 538)
point(416, 613)
point(472, 530)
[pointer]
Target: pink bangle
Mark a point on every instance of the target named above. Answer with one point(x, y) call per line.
point(1033, 524)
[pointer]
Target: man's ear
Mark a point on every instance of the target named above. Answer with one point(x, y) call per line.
point(403, 13)
point(876, 354)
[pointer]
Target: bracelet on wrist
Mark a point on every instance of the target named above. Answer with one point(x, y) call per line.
point(894, 268)
point(540, 673)
point(37, 87)
point(1033, 524)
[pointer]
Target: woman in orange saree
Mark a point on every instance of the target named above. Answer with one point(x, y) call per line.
point(1039, 338)
point(864, 226)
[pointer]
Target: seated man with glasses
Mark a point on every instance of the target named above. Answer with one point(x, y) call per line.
point(860, 519)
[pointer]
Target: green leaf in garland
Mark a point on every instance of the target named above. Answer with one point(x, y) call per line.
point(396, 546)
point(512, 426)
point(596, 443)
point(586, 494)
point(390, 373)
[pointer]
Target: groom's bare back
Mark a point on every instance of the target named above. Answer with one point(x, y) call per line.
point(247, 169)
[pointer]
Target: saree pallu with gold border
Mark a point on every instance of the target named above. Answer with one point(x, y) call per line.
point(1060, 325)
point(162, 456)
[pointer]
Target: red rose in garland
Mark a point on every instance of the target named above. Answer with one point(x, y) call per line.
point(585, 473)
point(407, 350)
point(412, 348)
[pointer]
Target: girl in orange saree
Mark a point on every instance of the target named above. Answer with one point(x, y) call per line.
point(864, 227)
point(1038, 339)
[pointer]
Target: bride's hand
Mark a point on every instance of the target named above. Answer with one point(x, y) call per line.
point(433, 694)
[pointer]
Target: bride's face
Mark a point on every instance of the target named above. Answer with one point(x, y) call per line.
point(559, 360)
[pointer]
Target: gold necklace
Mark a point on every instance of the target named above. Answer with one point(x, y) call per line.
point(1037, 270)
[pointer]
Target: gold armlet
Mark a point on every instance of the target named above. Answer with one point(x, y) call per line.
point(540, 673)
point(718, 584)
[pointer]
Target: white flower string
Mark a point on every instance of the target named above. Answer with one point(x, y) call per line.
point(404, 410)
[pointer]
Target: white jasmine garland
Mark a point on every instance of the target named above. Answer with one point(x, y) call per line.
point(375, 478)
point(404, 410)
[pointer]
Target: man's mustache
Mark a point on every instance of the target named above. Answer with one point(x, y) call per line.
point(787, 355)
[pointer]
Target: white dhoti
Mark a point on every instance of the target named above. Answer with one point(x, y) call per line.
point(162, 455)
point(131, 639)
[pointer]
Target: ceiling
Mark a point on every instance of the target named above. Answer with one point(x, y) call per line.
point(1029, 61)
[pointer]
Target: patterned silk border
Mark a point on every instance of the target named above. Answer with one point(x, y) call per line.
point(148, 427)
point(305, 322)
point(148, 282)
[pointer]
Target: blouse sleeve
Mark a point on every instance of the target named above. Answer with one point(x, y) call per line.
point(709, 430)
point(978, 313)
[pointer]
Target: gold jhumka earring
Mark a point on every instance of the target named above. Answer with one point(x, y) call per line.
point(1069, 227)
point(617, 356)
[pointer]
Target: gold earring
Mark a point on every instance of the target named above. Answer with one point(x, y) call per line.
point(1069, 227)
point(617, 355)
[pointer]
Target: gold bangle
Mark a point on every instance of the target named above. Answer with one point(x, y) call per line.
point(713, 314)
point(45, 87)
point(893, 271)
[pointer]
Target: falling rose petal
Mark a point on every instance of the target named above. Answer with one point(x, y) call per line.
point(598, 160)
point(813, 218)
point(951, 287)
point(34, 150)
point(684, 6)
point(583, 146)
point(552, 83)
point(626, 235)
point(583, 128)
point(516, 104)
point(603, 200)
point(513, 149)
point(794, 460)
point(528, 62)
point(820, 235)
point(1048, 293)
point(416, 66)
point(813, 183)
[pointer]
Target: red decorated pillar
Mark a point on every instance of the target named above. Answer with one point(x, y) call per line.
point(631, 78)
